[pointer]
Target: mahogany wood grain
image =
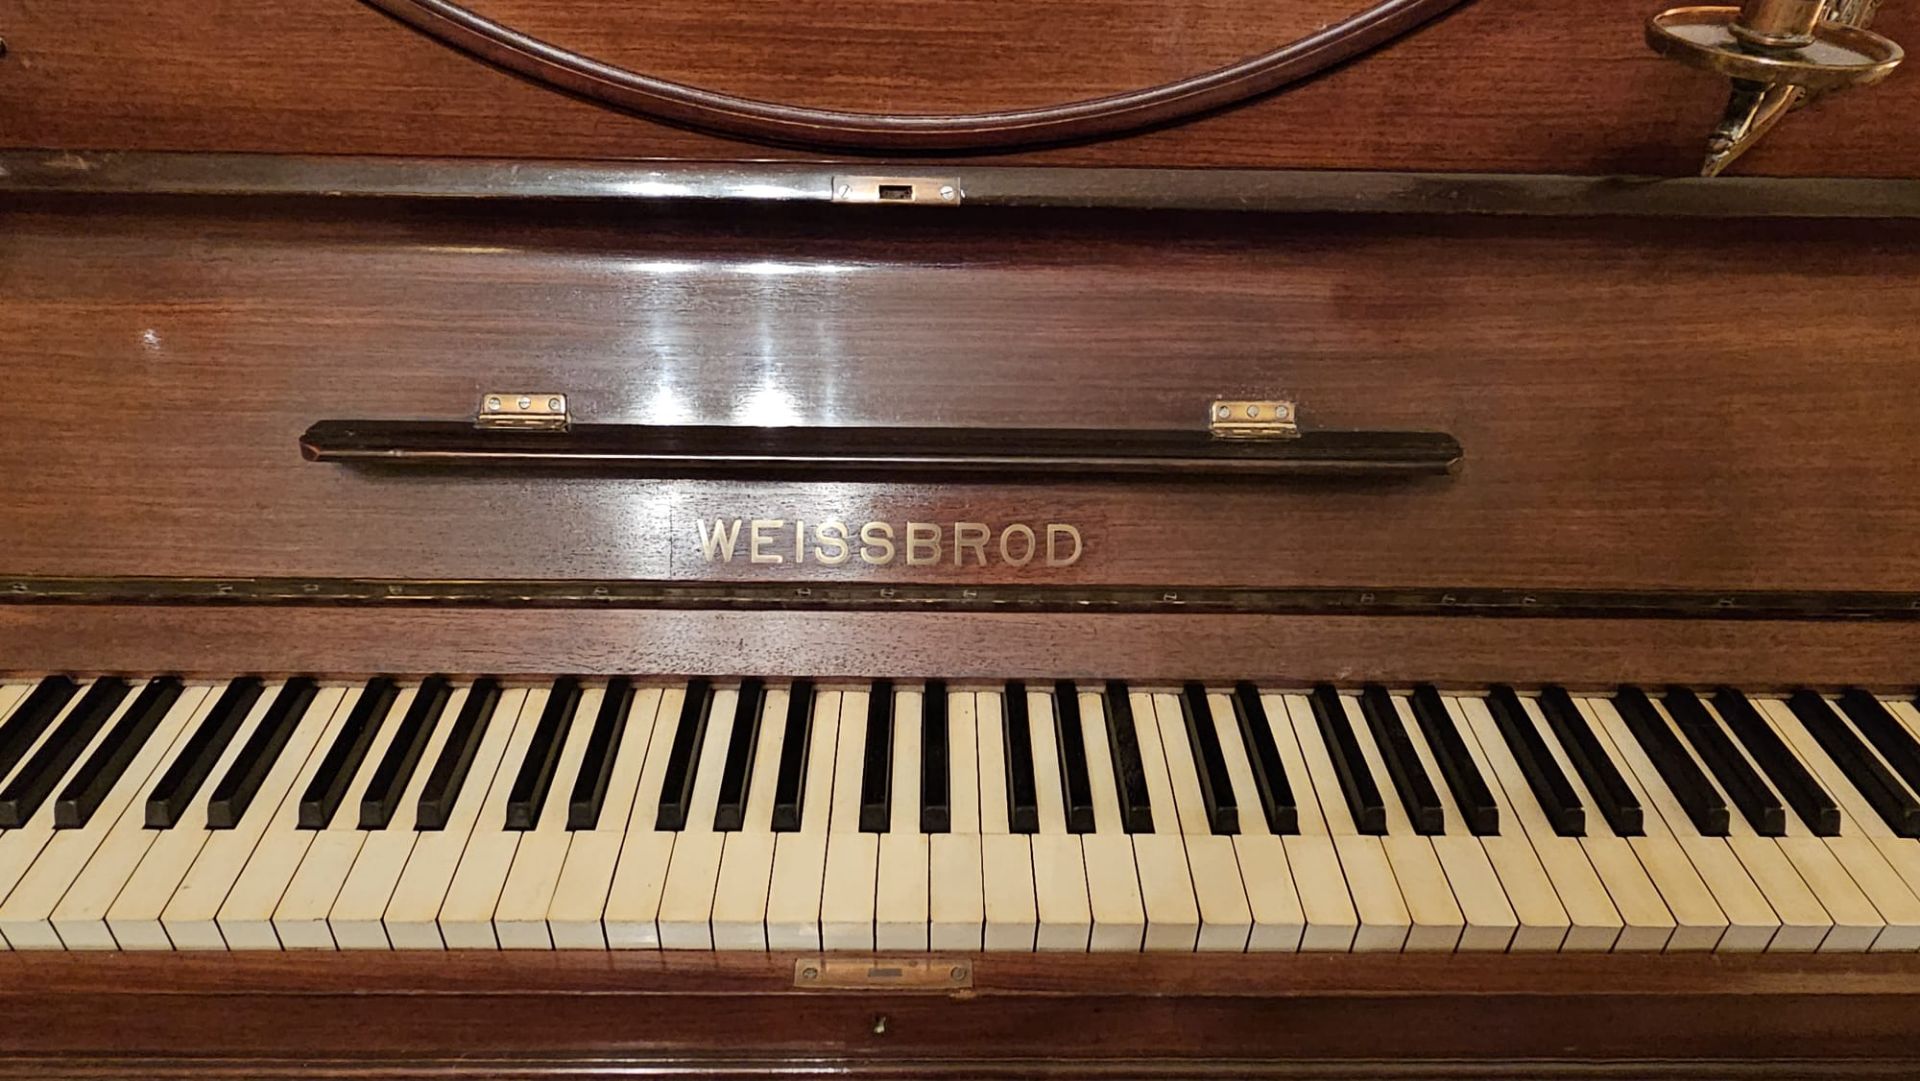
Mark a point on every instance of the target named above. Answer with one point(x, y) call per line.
point(1057, 1015)
point(1500, 85)
point(1625, 424)
point(1460, 652)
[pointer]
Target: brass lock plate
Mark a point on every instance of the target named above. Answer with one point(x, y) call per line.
point(882, 973)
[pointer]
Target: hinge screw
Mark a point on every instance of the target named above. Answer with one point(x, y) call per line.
point(493, 403)
point(947, 192)
point(809, 973)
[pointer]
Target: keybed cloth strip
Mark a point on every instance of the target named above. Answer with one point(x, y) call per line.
point(774, 814)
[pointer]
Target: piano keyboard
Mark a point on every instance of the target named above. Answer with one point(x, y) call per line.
point(755, 815)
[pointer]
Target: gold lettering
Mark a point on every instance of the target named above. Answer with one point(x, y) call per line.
point(759, 539)
point(878, 537)
point(799, 540)
point(1056, 531)
point(835, 534)
point(972, 535)
point(711, 544)
point(923, 544)
point(1006, 551)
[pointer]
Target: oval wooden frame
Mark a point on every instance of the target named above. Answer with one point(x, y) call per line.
point(776, 122)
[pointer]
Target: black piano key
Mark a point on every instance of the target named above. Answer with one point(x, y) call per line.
point(1023, 801)
point(1697, 797)
point(350, 745)
point(1796, 785)
point(1269, 775)
point(1888, 736)
point(32, 717)
point(603, 747)
point(683, 757)
point(936, 809)
point(89, 788)
point(876, 767)
point(388, 786)
point(528, 796)
point(1608, 789)
point(1129, 770)
point(1209, 762)
point(56, 755)
point(790, 788)
point(235, 792)
point(1425, 812)
point(1894, 804)
point(737, 771)
point(1071, 742)
point(1763, 810)
point(189, 770)
point(450, 770)
point(1369, 811)
point(1462, 773)
point(1558, 802)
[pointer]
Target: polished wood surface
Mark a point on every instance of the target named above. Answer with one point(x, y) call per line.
point(1499, 85)
point(1034, 1015)
point(1623, 426)
point(1454, 651)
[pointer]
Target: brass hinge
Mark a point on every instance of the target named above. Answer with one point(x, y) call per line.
point(876, 973)
point(898, 190)
point(1252, 420)
point(545, 412)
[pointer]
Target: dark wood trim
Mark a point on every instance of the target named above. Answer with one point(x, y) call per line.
point(980, 455)
point(99, 172)
point(1151, 649)
point(827, 596)
point(775, 122)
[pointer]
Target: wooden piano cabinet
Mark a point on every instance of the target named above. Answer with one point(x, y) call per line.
point(1037, 1015)
point(1548, 86)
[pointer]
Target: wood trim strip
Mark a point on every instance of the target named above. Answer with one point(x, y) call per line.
point(775, 122)
point(148, 173)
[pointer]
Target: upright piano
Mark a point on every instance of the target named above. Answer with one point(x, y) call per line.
point(965, 539)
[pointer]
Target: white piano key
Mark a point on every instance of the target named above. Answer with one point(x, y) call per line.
point(686, 901)
point(1648, 923)
point(1173, 788)
point(853, 857)
point(1114, 887)
point(1438, 923)
point(1006, 858)
point(520, 917)
point(300, 919)
point(1806, 923)
point(1594, 923)
point(357, 919)
point(901, 906)
point(245, 916)
point(1751, 922)
point(1168, 886)
point(19, 847)
point(1277, 922)
point(26, 919)
point(412, 918)
point(1330, 921)
point(746, 858)
point(580, 900)
point(1505, 895)
point(1902, 853)
point(800, 857)
point(1385, 922)
point(631, 913)
point(956, 899)
point(80, 916)
point(134, 915)
point(1059, 861)
point(466, 915)
point(1856, 848)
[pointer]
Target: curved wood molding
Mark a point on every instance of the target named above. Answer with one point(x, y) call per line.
point(799, 125)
